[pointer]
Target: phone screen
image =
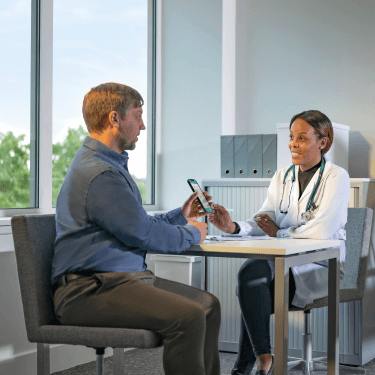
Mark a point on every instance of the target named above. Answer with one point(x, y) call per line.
point(195, 186)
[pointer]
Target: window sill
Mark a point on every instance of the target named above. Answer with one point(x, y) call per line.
point(5, 221)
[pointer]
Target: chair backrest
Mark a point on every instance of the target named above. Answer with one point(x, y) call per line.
point(34, 237)
point(358, 235)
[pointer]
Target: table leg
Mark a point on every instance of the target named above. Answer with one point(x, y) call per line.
point(281, 316)
point(333, 316)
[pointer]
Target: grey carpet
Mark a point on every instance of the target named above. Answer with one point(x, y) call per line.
point(149, 362)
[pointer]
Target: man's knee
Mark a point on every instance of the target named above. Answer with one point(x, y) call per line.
point(216, 304)
point(209, 308)
point(215, 308)
point(193, 319)
point(211, 304)
point(213, 301)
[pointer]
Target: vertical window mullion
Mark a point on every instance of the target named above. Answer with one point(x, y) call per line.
point(151, 77)
point(45, 106)
point(34, 103)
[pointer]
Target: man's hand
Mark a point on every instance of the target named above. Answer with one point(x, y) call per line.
point(266, 224)
point(192, 210)
point(221, 219)
point(202, 228)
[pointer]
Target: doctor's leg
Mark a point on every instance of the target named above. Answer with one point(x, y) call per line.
point(245, 357)
point(256, 297)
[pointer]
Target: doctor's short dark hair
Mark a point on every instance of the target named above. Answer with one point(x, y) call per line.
point(107, 97)
point(320, 122)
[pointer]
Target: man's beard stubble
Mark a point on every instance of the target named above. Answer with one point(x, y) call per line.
point(125, 144)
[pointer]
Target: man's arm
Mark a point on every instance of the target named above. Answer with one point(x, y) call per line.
point(190, 211)
point(112, 204)
point(174, 217)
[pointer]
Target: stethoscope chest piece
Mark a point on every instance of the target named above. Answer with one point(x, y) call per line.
point(306, 216)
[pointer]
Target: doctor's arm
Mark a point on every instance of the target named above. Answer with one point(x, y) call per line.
point(221, 218)
point(263, 221)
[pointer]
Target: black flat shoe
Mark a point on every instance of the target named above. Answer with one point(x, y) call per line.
point(239, 369)
point(246, 371)
point(263, 372)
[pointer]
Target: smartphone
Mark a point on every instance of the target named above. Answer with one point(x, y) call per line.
point(201, 198)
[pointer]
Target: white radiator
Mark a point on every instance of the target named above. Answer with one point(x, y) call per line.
point(221, 279)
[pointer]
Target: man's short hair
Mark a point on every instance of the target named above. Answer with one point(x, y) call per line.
point(107, 97)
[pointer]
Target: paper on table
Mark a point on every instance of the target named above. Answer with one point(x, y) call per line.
point(235, 237)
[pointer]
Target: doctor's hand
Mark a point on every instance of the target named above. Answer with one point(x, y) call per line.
point(221, 219)
point(266, 224)
point(192, 210)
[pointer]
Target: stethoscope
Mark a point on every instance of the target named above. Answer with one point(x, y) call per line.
point(310, 206)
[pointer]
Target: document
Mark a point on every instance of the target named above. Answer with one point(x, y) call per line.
point(236, 237)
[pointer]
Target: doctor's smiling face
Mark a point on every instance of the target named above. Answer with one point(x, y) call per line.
point(305, 145)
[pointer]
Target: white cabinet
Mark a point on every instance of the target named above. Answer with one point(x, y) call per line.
point(180, 268)
point(357, 322)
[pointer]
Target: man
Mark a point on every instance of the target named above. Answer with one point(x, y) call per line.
point(99, 276)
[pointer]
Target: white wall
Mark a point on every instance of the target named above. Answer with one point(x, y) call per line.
point(191, 98)
point(291, 55)
point(294, 55)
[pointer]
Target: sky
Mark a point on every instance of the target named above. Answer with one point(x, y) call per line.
point(93, 42)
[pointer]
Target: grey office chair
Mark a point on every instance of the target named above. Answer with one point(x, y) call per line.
point(358, 232)
point(34, 237)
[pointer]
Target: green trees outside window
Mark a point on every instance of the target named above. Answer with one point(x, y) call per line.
point(15, 169)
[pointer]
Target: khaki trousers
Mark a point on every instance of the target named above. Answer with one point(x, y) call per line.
point(188, 319)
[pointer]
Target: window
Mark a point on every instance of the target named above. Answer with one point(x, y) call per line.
point(92, 43)
point(15, 36)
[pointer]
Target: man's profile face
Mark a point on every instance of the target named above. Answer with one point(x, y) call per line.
point(130, 128)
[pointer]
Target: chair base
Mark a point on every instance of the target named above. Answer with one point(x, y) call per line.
point(43, 360)
point(118, 361)
point(320, 364)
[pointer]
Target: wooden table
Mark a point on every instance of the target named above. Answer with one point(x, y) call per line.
point(288, 253)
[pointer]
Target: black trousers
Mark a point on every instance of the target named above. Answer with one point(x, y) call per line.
point(256, 294)
point(187, 318)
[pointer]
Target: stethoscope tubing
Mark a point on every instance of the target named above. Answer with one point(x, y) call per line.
point(310, 202)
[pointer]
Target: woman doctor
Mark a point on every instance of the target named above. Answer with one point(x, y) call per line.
point(306, 200)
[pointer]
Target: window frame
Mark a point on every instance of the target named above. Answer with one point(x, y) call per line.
point(41, 108)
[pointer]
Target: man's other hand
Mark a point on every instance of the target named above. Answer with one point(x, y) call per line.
point(192, 210)
point(202, 228)
point(221, 219)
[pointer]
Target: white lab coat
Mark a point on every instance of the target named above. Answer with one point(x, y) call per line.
point(327, 222)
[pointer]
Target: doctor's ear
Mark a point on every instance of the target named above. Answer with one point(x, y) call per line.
point(323, 143)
